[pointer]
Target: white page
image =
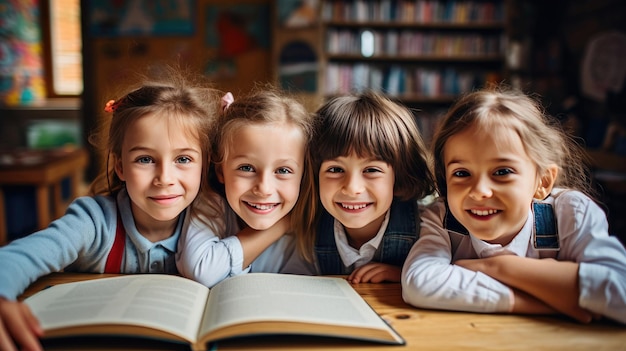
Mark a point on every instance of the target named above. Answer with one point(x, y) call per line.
point(285, 297)
point(164, 302)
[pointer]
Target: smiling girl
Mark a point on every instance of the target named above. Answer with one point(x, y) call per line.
point(261, 170)
point(372, 168)
point(514, 231)
point(155, 140)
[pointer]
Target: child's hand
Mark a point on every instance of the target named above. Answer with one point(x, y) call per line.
point(375, 272)
point(18, 327)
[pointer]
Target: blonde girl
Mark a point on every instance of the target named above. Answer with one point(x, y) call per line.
point(261, 172)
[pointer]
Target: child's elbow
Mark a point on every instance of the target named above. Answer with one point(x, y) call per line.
point(415, 288)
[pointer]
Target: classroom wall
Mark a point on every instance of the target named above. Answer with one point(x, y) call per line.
point(229, 41)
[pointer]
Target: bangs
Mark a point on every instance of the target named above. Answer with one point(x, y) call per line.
point(362, 135)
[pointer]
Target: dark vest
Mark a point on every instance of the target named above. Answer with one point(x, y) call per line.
point(545, 232)
point(401, 233)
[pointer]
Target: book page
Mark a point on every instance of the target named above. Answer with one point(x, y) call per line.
point(284, 297)
point(166, 302)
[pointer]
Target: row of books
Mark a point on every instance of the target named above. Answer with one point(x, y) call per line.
point(397, 80)
point(427, 121)
point(420, 11)
point(413, 43)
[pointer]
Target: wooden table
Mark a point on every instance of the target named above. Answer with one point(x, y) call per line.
point(44, 170)
point(423, 330)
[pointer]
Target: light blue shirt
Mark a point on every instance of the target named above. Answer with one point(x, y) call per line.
point(430, 280)
point(80, 241)
point(209, 257)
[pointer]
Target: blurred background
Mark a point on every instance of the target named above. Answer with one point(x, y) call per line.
point(61, 60)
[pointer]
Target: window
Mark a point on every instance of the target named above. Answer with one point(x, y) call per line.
point(62, 47)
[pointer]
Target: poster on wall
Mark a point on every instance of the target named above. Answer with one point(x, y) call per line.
point(234, 30)
point(21, 66)
point(141, 17)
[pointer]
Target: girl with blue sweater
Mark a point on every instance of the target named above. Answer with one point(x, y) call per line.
point(157, 148)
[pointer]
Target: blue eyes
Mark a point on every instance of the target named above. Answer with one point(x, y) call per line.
point(184, 159)
point(280, 170)
point(148, 160)
point(145, 160)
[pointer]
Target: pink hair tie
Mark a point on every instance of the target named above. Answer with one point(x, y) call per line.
point(226, 100)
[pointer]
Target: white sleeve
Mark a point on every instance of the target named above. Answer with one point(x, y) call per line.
point(205, 258)
point(430, 280)
point(584, 236)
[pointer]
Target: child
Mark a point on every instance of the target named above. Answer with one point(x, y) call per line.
point(261, 169)
point(513, 230)
point(373, 169)
point(158, 147)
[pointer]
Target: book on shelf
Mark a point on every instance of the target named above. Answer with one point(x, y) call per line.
point(181, 310)
point(414, 11)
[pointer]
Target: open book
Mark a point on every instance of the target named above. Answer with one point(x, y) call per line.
point(182, 310)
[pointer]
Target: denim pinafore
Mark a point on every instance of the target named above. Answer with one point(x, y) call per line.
point(401, 233)
point(545, 233)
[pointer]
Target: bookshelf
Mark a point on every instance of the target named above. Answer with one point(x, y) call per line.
point(423, 53)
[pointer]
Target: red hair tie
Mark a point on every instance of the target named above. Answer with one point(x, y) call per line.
point(110, 106)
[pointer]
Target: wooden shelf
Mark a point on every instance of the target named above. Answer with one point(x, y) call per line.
point(463, 26)
point(420, 58)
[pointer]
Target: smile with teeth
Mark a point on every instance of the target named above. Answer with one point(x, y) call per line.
point(353, 207)
point(483, 212)
point(262, 207)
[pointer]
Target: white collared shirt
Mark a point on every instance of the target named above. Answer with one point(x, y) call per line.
point(355, 258)
point(431, 280)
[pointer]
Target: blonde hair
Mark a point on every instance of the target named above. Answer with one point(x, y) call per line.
point(544, 139)
point(265, 105)
point(190, 102)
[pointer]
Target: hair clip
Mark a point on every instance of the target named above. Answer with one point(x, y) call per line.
point(110, 106)
point(226, 100)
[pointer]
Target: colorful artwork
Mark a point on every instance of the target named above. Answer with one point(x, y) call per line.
point(141, 17)
point(21, 66)
point(236, 29)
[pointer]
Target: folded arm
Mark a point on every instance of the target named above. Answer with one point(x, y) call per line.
point(209, 258)
point(553, 282)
